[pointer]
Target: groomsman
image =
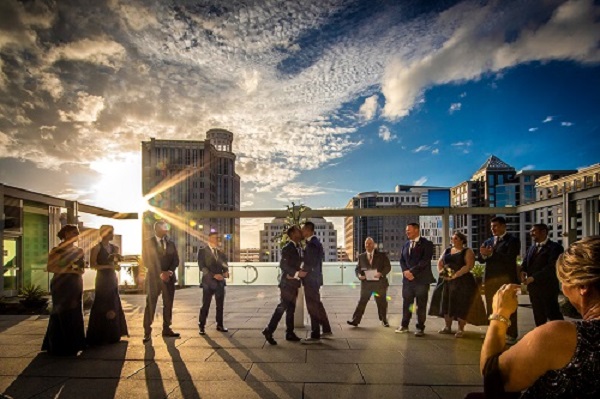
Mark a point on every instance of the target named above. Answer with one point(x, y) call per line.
point(213, 263)
point(415, 262)
point(499, 253)
point(291, 273)
point(538, 272)
point(377, 265)
point(313, 265)
point(159, 256)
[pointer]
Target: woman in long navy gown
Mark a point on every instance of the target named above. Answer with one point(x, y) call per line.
point(107, 321)
point(65, 335)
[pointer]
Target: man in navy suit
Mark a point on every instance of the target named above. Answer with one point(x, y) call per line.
point(415, 262)
point(313, 265)
point(538, 272)
point(213, 263)
point(291, 273)
point(499, 253)
point(160, 258)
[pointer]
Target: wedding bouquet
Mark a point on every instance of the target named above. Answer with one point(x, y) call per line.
point(447, 272)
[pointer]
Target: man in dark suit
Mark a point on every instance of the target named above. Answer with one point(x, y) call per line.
point(538, 272)
point(160, 258)
point(415, 262)
point(372, 268)
point(313, 265)
point(213, 264)
point(291, 273)
point(499, 253)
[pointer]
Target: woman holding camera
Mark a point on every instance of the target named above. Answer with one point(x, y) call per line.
point(107, 321)
point(65, 335)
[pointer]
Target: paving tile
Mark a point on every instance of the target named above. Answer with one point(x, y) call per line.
point(26, 387)
point(223, 342)
point(236, 390)
point(84, 368)
point(355, 356)
point(341, 391)
point(259, 355)
point(294, 372)
point(18, 350)
point(420, 374)
point(193, 371)
point(109, 388)
point(450, 392)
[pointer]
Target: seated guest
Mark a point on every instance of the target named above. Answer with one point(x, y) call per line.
point(559, 359)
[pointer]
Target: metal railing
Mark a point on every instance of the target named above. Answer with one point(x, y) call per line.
point(267, 273)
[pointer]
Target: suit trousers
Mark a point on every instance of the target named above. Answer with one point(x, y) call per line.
point(208, 291)
point(154, 288)
point(316, 310)
point(287, 305)
point(368, 289)
point(491, 286)
point(544, 302)
point(411, 291)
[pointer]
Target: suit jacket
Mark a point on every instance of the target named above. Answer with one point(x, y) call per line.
point(290, 264)
point(503, 261)
point(418, 261)
point(211, 265)
point(542, 265)
point(381, 263)
point(313, 262)
point(157, 260)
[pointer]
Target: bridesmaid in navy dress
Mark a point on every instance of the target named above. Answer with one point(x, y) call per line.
point(65, 335)
point(107, 321)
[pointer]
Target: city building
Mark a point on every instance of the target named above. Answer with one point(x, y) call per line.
point(250, 255)
point(497, 184)
point(342, 255)
point(388, 232)
point(181, 177)
point(270, 236)
point(569, 204)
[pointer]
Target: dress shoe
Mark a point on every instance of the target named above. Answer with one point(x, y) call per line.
point(419, 333)
point(222, 328)
point(326, 334)
point(292, 337)
point(385, 323)
point(310, 341)
point(269, 336)
point(202, 331)
point(402, 330)
point(352, 323)
point(147, 338)
point(170, 333)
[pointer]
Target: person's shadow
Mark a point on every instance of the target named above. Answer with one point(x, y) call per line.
point(180, 368)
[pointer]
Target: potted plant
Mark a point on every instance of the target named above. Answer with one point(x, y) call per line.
point(32, 297)
point(477, 272)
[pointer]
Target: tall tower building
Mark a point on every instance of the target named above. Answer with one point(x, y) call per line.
point(181, 177)
point(497, 184)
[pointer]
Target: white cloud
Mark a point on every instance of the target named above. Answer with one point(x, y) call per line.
point(533, 129)
point(466, 143)
point(385, 133)
point(369, 108)
point(549, 118)
point(463, 94)
point(566, 124)
point(98, 51)
point(422, 148)
point(454, 107)
point(571, 33)
point(435, 151)
point(528, 167)
point(421, 181)
point(246, 204)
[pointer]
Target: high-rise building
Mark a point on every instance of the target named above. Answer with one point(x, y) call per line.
point(250, 255)
point(497, 184)
point(181, 177)
point(271, 233)
point(389, 232)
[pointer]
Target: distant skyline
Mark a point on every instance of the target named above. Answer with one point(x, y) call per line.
point(326, 98)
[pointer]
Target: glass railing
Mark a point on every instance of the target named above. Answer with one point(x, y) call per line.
point(267, 273)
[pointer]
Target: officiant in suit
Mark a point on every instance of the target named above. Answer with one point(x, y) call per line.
point(415, 261)
point(160, 258)
point(499, 253)
point(213, 263)
point(377, 265)
point(291, 273)
point(538, 272)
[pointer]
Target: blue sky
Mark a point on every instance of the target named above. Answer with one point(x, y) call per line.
point(326, 98)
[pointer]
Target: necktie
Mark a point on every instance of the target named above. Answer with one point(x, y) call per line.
point(412, 246)
point(214, 251)
point(370, 258)
point(163, 244)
